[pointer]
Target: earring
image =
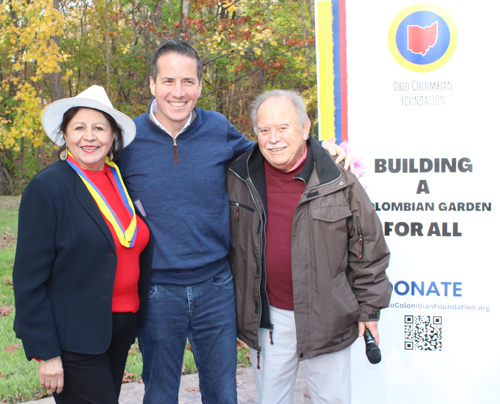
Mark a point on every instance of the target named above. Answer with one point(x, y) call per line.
point(110, 155)
point(64, 154)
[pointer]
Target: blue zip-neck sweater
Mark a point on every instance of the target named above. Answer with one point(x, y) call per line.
point(185, 202)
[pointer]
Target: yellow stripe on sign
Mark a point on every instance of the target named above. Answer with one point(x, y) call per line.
point(324, 49)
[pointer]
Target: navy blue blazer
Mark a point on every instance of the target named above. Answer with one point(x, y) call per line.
point(65, 267)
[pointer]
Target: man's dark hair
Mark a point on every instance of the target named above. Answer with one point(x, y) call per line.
point(176, 46)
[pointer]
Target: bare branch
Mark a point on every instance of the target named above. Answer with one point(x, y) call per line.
point(213, 18)
point(256, 69)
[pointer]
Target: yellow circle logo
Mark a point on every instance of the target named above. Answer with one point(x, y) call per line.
point(422, 38)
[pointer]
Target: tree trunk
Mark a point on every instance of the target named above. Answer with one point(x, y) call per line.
point(304, 33)
point(56, 78)
point(186, 8)
point(56, 86)
point(3, 177)
point(108, 52)
point(11, 185)
point(21, 168)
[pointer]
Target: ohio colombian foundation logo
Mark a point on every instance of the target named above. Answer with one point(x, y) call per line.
point(422, 38)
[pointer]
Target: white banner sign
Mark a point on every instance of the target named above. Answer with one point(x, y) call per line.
point(423, 96)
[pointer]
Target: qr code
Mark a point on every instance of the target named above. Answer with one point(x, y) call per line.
point(423, 333)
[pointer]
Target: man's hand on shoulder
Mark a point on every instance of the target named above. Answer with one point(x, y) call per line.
point(335, 150)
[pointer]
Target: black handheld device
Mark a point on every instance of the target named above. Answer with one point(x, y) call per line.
point(372, 350)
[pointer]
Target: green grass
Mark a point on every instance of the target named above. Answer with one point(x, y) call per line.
point(18, 377)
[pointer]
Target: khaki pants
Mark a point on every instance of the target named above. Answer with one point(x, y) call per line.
point(328, 376)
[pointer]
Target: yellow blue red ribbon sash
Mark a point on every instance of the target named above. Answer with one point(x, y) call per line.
point(126, 236)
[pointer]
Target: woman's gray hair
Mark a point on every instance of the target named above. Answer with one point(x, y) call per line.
point(293, 96)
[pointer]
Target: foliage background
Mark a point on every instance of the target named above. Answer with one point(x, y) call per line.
point(53, 49)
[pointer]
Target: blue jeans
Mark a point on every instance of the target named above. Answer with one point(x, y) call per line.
point(205, 314)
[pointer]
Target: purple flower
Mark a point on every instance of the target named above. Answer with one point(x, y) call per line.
point(357, 164)
point(345, 146)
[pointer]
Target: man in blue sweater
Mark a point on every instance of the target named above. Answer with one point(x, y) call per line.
point(175, 172)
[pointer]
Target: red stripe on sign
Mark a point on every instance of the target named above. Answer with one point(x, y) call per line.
point(343, 68)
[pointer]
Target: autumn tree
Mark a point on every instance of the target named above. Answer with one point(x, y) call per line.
point(27, 52)
point(55, 48)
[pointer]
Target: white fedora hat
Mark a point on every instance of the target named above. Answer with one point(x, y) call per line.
point(93, 97)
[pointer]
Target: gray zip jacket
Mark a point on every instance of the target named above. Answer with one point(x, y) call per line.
point(339, 254)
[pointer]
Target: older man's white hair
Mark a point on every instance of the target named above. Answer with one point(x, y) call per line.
point(293, 96)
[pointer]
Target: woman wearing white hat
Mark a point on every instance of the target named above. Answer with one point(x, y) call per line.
point(81, 273)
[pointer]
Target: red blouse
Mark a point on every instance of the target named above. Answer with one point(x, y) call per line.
point(125, 292)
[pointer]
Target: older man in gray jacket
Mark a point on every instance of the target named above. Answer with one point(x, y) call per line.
point(308, 256)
